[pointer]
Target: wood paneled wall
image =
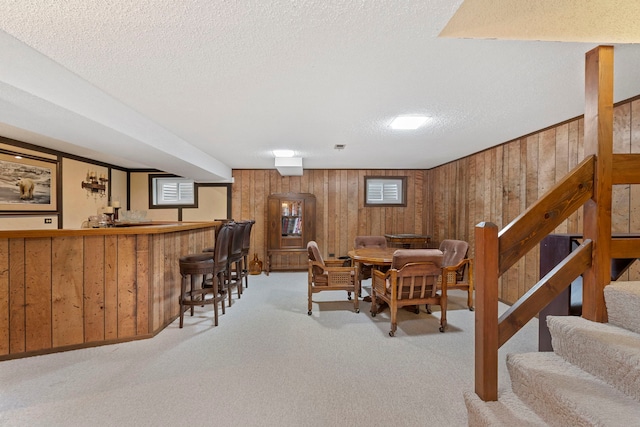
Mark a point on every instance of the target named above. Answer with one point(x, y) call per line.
point(340, 211)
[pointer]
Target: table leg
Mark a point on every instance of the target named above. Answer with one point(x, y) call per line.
point(358, 267)
point(268, 269)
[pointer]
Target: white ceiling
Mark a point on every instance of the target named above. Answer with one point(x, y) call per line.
point(199, 87)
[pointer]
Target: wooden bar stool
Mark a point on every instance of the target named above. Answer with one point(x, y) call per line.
point(192, 266)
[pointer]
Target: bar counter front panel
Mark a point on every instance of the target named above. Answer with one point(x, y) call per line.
point(68, 289)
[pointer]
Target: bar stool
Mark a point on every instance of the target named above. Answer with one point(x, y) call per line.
point(234, 259)
point(220, 253)
point(191, 266)
point(246, 243)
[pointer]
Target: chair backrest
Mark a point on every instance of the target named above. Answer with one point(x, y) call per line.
point(246, 241)
point(314, 255)
point(237, 237)
point(406, 256)
point(370, 242)
point(453, 251)
point(221, 249)
point(417, 272)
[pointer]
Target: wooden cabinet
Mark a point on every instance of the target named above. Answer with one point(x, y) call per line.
point(291, 224)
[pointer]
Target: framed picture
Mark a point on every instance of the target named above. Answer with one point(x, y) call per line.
point(385, 191)
point(27, 183)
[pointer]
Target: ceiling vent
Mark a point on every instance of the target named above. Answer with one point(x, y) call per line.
point(289, 166)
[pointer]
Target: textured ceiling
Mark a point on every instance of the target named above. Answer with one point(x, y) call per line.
point(199, 87)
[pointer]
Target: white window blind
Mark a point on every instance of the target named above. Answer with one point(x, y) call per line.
point(174, 191)
point(384, 191)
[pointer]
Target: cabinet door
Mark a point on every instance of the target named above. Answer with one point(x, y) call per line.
point(292, 223)
point(273, 217)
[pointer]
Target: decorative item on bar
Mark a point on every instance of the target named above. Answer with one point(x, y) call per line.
point(95, 184)
point(108, 211)
point(115, 204)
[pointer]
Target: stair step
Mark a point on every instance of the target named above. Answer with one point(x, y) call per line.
point(605, 351)
point(508, 411)
point(623, 304)
point(563, 394)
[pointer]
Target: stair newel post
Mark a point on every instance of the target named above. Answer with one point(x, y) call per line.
point(598, 140)
point(486, 322)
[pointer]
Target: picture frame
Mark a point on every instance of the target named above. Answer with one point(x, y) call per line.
point(27, 183)
point(385, 191)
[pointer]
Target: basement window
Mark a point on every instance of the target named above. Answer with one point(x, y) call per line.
point(166, 191)
point(385, 191)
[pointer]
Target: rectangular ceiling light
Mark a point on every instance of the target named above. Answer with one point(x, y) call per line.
point(283, 153)
point(408, 122)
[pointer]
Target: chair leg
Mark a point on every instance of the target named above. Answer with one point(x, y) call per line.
point(394, 318)
point(220, 286)
point(374, 305)
point(356, 302)
point(183, 290)
point(216, 297)
point(239, 277)
point(245, 271)
point(309, 298)
point(193, 282)
point(443, 313)
point(228, 282)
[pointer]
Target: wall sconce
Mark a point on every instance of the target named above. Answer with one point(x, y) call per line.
point(95, 184)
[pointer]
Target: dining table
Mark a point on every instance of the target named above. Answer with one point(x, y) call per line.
point(376, 257)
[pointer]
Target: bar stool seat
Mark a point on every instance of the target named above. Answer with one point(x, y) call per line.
point(192, 266)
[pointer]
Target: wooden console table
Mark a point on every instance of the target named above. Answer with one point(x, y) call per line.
point(413, 241)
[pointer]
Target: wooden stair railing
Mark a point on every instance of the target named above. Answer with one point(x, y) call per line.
point(589, 184)
point(541, 218)
point(496, 253)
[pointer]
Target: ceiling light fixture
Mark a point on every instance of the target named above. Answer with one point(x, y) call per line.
point(408, 122)
point(289, 166)
point(283, 153)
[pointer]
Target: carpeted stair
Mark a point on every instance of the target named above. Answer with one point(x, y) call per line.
point(592, 377)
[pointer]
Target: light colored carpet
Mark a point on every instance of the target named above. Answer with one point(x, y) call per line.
point(587, 344)
point(266, 364)
point(564, 395)
point(623, 304)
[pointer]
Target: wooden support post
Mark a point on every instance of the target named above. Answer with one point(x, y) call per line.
point(486, 338)
point(598, 140)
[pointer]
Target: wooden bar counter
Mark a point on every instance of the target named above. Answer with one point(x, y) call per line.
point(68, 289)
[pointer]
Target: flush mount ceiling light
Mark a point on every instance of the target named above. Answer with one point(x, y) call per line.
point(283, 153)
point(408, 122)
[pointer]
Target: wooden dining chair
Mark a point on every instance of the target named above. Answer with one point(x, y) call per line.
point(457, 269)
point(411, 280)
point(330, 275)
